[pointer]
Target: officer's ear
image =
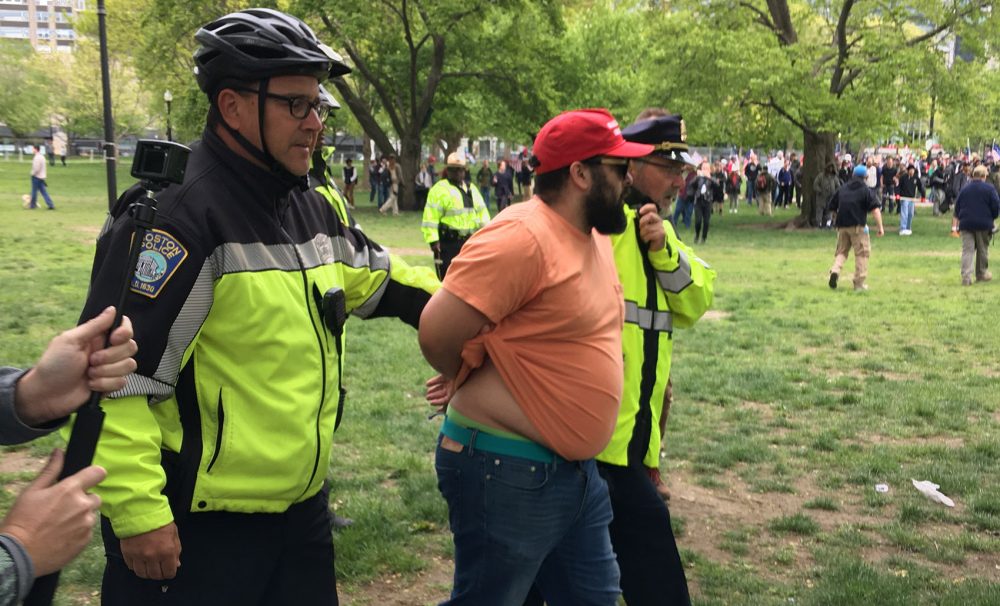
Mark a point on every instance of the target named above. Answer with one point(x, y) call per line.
point(234, 107)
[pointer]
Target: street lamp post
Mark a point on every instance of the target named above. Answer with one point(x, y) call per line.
point(167, 97)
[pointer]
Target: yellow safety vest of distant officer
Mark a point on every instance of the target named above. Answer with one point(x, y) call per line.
point(454, 211)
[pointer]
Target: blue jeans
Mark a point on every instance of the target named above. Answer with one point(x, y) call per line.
point(905, 214)
point(683, 210)
point(516, 521)
point(751, 191)
point(486, 195)
point(38, 185)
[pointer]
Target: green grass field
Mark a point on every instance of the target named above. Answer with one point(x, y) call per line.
point(791, 402)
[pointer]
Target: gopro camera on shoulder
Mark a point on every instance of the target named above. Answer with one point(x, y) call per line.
point(160, 162)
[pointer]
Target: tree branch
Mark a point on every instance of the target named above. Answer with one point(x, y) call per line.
point(362, 67)
point(457, 18)
point(772, 104)
point(950, 22)
point(851, 76)
point(840, 38)
point(362, 112)
point(782, 19)
point(481, 75)
point(762, 17)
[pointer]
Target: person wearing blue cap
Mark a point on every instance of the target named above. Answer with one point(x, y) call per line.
point(850, 207)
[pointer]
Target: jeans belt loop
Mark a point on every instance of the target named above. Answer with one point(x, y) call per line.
point(472, 442)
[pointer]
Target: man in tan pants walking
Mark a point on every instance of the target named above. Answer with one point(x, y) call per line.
point(850, 207)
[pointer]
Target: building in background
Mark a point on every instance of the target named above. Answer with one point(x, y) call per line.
point(46, 24)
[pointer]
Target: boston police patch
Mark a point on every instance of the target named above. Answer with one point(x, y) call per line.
point(161, 254)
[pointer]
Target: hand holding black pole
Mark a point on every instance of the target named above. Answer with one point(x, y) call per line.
point(158, 164)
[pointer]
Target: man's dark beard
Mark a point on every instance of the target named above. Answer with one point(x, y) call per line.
point(456, 176)
point(605, 211)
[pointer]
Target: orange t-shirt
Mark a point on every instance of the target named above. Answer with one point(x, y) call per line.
point(557, 305)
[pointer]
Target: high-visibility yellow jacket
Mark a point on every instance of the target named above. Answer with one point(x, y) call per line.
point(679, 293)
point(447, 206)
point(234, 402)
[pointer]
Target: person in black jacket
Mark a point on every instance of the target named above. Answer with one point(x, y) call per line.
point(850, 206)
point(906, 192)
point(719, 178)
point(937, 181)
point(218, 446)
point(503, 185)
point(701, 191)
point(750, 171)
point(889, 183)
point(976, 211)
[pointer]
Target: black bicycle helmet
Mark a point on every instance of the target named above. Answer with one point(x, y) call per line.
point(259, 43)
point(327, 99)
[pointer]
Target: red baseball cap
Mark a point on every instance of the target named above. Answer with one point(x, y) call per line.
point(580, 134)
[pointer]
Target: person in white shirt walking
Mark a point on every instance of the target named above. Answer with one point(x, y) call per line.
point(38, 167)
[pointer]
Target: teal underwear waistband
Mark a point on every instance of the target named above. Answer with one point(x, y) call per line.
point(476, 439)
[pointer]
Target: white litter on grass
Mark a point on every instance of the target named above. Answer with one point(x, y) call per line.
point(930, 490)
point(882, 488)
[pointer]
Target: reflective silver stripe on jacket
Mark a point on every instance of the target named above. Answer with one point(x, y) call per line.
point(648, 319)
point(453, 211)
point(679, 279)
point(235, 257)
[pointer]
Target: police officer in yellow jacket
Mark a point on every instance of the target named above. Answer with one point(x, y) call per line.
point(454, 211)
point(320, 176)
point(218, 446)
point(666, 286)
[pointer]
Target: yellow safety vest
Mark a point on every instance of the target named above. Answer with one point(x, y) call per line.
point(680, 292)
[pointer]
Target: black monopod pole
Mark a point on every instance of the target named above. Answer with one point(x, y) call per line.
point(90, 417)
point(110, 150)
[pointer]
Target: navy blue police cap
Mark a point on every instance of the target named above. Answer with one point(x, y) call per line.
point(665, 133)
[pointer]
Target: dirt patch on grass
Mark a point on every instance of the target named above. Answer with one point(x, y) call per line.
point(430, 586)
point(709, 513)
point(766, 411)
point(715, 314)
point(89, 232)
point(762, 226)
point(874, 438)
point(17, 461)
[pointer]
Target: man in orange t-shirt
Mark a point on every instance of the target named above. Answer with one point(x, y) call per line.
point(526, 333)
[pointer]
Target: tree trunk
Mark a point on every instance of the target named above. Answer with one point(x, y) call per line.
point(817, 151)
point(453, 141)
point(366, 150)
point(409, 162)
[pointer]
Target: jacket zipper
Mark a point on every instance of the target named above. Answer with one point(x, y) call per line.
point(221, 416)
point(319, 342)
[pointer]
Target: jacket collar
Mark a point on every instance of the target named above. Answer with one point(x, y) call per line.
point(269, 185)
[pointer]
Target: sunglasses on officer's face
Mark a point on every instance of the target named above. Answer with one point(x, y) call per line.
point(675, 168)
point(619, 165)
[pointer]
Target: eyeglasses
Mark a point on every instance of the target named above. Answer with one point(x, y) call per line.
point(676, 168)
point(298, 106)
point(620, 165)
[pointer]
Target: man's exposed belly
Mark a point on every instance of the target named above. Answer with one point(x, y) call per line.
point(484, 398)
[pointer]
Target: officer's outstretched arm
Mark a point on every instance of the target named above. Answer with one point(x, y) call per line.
point(380, 285)
point(687, 281)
